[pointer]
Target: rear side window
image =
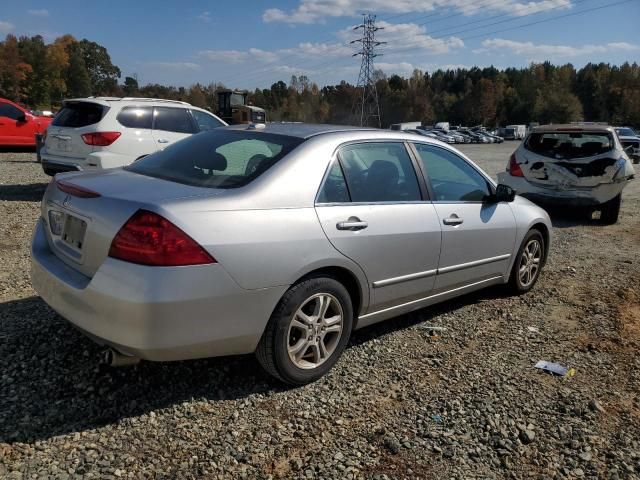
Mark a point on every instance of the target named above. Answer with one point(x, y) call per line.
point(136, 117)
point(565, 145)
point(217, 159)
point(334, 189)
point(379, 172)
point(205, 121)
point(173, 120)
point(79, 114)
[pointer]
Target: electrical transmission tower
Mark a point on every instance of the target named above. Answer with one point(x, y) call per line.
point(367, 106)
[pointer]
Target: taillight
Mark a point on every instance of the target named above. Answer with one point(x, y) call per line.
point(100, 139)
point(75, 190)
point(149, 239)
point(514, 168)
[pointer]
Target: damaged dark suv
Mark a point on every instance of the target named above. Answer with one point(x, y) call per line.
point(571, 165)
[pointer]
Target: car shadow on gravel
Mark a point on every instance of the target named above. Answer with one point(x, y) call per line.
point(51, 383)
point(17, 149)
point(32, 192)
point(572, 217)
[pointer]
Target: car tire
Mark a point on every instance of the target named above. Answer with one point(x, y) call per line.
point(531, 258)
point(292, 345)
point(610, 211)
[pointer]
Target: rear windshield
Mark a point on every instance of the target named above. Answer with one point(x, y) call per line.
point(563, 145)
point(216, 158)
point(79, 114)
point(625, 132)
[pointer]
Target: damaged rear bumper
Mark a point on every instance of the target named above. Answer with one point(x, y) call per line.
point(560, 195)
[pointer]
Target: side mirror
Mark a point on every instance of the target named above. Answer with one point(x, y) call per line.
point(22, 118)
point(505, 193)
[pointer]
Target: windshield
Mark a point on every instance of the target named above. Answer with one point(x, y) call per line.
point(626, 132)
point(564, 145)
point(217, 159)
point(237, 99)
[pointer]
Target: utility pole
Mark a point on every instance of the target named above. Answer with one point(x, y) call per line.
point(367, 106)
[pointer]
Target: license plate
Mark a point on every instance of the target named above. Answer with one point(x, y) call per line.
point(74, 230)
point(63, 144)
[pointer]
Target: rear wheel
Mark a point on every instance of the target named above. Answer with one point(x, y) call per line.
point(526, 268)
point(307, 332)
point(610, 211)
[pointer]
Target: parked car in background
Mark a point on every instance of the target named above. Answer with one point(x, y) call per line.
point(405, 125)
point(19, 126)
point(507, 133)
point(475, 136)
point(443, 136)
point(237, 240)
point(571, 165)
point(106, 132)
point(444, 126)
point(630, 142)
point(424, 133)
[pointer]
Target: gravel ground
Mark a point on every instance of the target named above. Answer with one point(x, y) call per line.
point(401, 403)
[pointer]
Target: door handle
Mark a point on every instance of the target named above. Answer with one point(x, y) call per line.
point(452, 220)
point(162, 140)
point(353, 224)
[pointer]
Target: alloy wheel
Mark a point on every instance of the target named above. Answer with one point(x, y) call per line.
point(530, 262)
point(315, 330)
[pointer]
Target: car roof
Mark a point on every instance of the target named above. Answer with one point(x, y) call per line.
point(576, 127)
point(299, 130)
point(106, 101)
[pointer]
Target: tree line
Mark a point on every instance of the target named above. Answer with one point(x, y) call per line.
point(40, 75)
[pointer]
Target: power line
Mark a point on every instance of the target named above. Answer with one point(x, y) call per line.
point(481, 4)
point(335, 63)
point(367, 106)
point(529, 24)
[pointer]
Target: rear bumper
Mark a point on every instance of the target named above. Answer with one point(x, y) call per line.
point(155, 313)
point(93, 161)
point(559, 196)
point(51, 168)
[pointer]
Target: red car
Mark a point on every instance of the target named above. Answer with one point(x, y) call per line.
point(19, 126)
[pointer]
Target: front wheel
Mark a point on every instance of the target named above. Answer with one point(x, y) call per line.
point(307, 332)
point(610, 211)
point(526, 268)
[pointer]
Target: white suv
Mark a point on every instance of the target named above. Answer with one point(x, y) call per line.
point(105, 132)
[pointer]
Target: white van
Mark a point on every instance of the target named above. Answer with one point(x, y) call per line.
point(107, 132)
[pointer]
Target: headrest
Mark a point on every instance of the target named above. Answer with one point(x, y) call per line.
point(213, 161)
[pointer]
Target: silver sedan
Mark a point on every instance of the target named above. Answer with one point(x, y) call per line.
point(278, 240)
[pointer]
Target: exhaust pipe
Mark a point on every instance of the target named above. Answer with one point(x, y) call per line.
point(113, 358)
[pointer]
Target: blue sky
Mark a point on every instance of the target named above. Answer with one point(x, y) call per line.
point(254, 43)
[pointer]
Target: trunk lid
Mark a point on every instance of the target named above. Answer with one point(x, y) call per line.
point(80, 230)
point(77, 117)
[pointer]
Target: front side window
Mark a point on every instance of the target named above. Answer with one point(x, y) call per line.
point(10, 111)
point(379, 172)
point(451, 177)
point(205, 121)
point(136, 117)
point(217, 158)
point(173, 120)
